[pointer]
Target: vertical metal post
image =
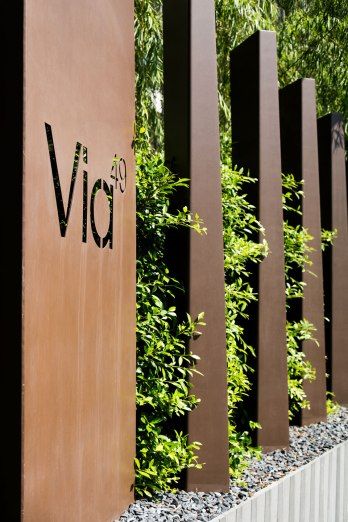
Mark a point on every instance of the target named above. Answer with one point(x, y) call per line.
point(333, 185)
point(256, 147)
point(68, 305)
point(300, 158)
point(192, 150)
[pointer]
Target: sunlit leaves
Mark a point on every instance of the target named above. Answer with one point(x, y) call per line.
point(313, 43)
point(245, 245)
point(164, 363)
point(297, 245)
point(149, 68)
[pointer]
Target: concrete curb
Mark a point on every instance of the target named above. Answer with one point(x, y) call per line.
point(316, 492)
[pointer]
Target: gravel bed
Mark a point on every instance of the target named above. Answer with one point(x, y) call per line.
point(305, 445)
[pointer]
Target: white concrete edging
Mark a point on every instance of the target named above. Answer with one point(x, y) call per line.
point(316, 492)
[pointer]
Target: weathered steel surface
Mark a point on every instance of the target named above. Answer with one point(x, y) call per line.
point(78, 299)
point(300, 157)
point(333, 185)
point(256, 147)
point(192, 150)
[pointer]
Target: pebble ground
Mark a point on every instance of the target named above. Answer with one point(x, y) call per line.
point(305, 445)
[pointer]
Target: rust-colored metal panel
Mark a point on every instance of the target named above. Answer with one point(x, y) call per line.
point(333, 190)
point(300, 157)
point(256, 147)
point(78, 261)
point(192, 149)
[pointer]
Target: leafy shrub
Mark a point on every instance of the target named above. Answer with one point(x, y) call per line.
point(241, 250)
point(331, 405)
point(297, 249)
point(299, 368)
point(164, 363)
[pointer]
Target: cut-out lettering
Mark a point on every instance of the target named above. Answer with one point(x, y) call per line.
point(85, 207)
point(118, 173)
point(63, 215)
point(101, 184)
point(85, 197)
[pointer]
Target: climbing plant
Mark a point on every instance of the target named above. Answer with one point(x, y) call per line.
point(164, 363)
point(242, 253)
point(297, 246)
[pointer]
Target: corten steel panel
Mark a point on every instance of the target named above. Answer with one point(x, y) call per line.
point(332, 170)
point(78, 298)
point(300, 158)
point(192, 149)
point(256, 147)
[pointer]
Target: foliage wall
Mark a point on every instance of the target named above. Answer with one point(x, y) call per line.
point(163, 361)
point(311, 43)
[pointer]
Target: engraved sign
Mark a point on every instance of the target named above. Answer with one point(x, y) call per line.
point(76, 303)
point(119, 168)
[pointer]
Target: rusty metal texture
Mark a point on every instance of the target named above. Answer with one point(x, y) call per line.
point(78, 261)
point(192, 151)
point(300, 158)
point(256, 147)
point(333, 190)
